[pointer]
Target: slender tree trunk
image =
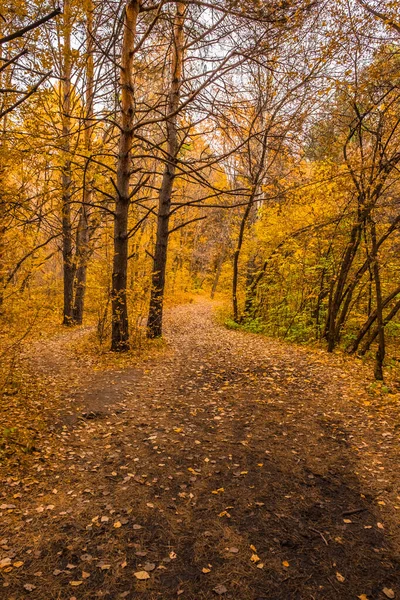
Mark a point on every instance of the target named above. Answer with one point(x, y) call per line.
point(332, 332)
point(82, 236)
point(66, 175)
point(370, 321)
point(120, 326)
point(3, 168)
point(236, 256)
point(374, 334)
point(2, 260)
point(254, 190)
point(250, 289)
point(81, 258)
point(217, 275)
point(155, 318)
point(380, 355)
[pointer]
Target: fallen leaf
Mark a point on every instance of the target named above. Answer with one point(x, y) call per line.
point(220, 589)
point(205, 570)
point(142, 575)
point(5, 562)
point(75, 583)
point(29, 587)
point(340, 577)
point(254, 558)
point(363, 597)
point(285, 563)
point(389, 593)
point(117, 524)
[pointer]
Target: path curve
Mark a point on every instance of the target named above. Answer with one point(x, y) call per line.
point(230, 465)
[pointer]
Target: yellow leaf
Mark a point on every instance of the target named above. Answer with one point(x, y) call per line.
point(75, 583)
point(285, 563)
point(142, 575)
point(205, 570)
point(339, 577)
point(117, 524)
point(254, 558)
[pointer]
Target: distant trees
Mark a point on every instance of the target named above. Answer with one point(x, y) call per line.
point(150, 147)
point(354, 261)
point(16, 67)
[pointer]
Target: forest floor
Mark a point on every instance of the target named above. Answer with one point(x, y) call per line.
point(226, 464)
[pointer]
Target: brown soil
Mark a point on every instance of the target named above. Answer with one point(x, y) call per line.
point(229, 465)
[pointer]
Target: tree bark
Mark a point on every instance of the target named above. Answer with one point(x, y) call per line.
point(332, 332)
point(380, 354)
point(250, 290)
point(82, 237)
point(66, 175)
point(217, 275)
point(370, 321)
point(155, 318)
point(236, 256)
point(374, 333)
point(120, 324)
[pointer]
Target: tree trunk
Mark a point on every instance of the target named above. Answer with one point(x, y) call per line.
point(380, 354)
point(66, 176)
point(2, 261)
point(120, 325)
point(82, 236)
point(81, 258)
point(332, 331)
point(374, 334)
point(370, 321)
point(254, 190)
point(217, 275)
point(155, 318)
point(250, 289)
point(236, 257)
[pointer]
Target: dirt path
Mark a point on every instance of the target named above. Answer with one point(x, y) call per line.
point(230, 465)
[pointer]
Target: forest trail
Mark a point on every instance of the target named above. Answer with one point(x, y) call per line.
point(229, 465)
